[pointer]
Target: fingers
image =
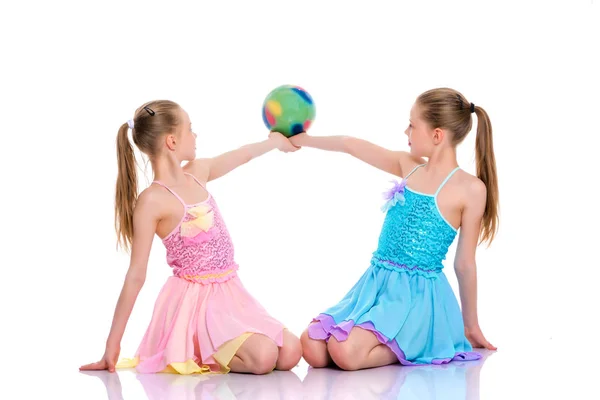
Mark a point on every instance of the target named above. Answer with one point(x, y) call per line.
point(489, 346)
point(88, 367)
point(92, 367)
point(290, 149)
point(111, 367)
point(482, 343)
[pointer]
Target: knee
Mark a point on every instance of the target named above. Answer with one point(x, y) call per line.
point(314, 351)
point(289, 355)
point(343, 355)
point(265, 360)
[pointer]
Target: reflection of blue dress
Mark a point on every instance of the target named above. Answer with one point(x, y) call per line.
point(404, 297)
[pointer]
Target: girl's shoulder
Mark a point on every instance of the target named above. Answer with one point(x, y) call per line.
point(199, 167)
point(151, 203)
point(471, 188)
point(153, 196)
point(470, 182)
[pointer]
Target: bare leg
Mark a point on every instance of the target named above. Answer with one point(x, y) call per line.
point(258, 355)
point(290, 353)
point(361, 350)
point(315, 351)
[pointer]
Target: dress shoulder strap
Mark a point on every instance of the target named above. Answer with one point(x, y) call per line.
point(446, 180)
point(197, 181)
point(172, 192)
point(413, 170)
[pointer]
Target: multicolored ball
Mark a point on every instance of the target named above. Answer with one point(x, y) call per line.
point(289, 110)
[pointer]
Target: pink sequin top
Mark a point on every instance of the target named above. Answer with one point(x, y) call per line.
point(200, 249)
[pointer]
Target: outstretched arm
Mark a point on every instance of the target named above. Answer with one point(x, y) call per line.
point(465, 265)
point(216, 167)
point(145, 219)
point(393, 162)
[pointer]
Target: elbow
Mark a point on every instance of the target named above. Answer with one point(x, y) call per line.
point(464, 267)
point(135, 280)
point(247, 155)
point(348, 144)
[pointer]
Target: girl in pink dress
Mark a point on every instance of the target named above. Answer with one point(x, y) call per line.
point(204, 320)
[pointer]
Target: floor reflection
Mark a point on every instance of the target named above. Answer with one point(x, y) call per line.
point(454, 381)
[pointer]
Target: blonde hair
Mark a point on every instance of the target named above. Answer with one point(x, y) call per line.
point(150, 122)
point(448, 109)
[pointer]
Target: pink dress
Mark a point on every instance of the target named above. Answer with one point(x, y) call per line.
point(203, 313)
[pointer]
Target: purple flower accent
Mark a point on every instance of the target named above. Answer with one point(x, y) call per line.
point(394, 195)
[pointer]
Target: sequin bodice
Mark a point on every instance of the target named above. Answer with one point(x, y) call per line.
point(212, 256)
point(415, 236)
point(199, 249)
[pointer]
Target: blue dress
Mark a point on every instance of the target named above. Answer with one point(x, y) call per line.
point(404, 297)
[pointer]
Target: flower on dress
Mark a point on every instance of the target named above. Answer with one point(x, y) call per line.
point(201, 228)
point(394, 196)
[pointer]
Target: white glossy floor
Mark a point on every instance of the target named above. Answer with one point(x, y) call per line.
point(448, 382)
point(516, 372)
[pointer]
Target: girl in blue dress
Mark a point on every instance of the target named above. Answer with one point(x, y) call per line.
point(403, 309)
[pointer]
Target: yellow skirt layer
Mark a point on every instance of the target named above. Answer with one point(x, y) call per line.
point(223, 356)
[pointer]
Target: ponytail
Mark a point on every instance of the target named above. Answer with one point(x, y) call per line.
point(447, 108)
point(486, 171)
point(150, 122)
point(126, 189)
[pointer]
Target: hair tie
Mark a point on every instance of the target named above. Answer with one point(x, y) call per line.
point(472, 108)
point(130, 124)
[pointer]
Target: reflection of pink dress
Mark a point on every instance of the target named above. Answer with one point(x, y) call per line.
point(203, 313)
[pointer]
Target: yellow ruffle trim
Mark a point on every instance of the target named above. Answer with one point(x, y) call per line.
point(223, 357)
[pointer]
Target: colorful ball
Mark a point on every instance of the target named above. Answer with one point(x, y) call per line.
point(288, 110)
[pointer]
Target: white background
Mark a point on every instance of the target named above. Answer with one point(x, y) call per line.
point(304, 224)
